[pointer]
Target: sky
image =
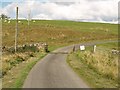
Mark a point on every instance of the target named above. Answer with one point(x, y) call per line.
point(105, 11)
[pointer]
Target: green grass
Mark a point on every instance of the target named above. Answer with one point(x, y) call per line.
point(20, 80)
point(58, 32)
point(96, 68)
point(110, 45)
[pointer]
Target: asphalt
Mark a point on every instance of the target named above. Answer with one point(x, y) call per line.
point(54, 72)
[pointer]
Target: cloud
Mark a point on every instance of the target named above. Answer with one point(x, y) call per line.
point(78, 10)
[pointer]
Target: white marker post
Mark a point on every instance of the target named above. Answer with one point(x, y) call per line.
point(82, 47)
point(94, 48)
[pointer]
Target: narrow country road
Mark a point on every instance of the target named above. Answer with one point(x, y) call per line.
point(53, 71)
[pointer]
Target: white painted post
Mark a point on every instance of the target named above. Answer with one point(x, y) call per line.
point(94, 48)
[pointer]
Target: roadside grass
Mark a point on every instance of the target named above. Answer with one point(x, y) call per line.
point(16, 76)
point(99, 69)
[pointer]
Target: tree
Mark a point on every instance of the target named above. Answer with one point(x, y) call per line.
point(3, 16)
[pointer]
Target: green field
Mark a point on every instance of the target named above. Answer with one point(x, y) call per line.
point(56, 33)
point(98, 67)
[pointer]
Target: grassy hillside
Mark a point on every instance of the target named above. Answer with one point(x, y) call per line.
point(57, 32)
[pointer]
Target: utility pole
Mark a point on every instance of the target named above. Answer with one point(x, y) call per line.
point(16, 30)
point(29, 19)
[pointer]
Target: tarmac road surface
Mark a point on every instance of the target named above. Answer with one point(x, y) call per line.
point(53, 71)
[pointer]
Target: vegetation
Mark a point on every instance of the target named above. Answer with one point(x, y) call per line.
point(16, 76)
point(11, 60)
point(3, 16)
point(56, 33)
point(97, 67)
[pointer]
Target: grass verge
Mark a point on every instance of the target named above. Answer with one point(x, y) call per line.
point(16, 76)
point(98, 70)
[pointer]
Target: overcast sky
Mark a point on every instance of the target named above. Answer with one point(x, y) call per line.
point(78, 10)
